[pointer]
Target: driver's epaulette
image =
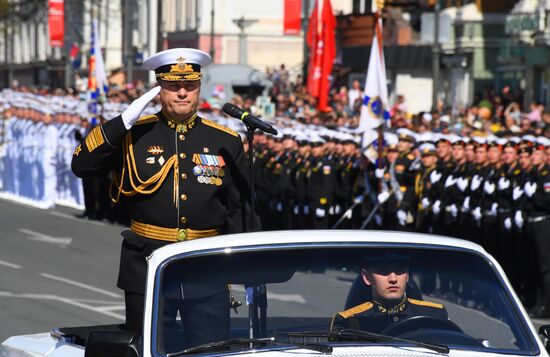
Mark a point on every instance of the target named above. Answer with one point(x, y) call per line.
point(425, 303)
point(356, 310)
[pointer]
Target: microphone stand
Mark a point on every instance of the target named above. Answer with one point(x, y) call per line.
point(250, 138)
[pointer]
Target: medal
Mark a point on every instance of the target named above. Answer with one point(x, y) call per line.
point(201, 179)
point(197, 170)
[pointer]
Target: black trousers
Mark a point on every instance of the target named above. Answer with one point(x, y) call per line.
point(200, 320)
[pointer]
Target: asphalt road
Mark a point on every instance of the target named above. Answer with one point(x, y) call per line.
point(56, 270)
point(59, 270)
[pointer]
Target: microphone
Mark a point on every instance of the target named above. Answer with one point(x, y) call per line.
point(252, 121)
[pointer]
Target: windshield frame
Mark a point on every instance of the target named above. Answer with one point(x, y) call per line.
point(522, 326)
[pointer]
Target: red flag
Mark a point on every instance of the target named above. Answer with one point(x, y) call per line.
point(292, 17)
point(322, 47)
point(56, 22)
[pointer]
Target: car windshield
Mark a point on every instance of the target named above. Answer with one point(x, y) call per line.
point(304, 294)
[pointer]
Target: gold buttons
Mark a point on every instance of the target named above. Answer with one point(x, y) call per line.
point(183, 197)
point(183, 220)
point(182, 137)
point(183, 176)
point(182, 155)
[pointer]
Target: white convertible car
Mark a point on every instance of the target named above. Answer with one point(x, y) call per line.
point(292, 284)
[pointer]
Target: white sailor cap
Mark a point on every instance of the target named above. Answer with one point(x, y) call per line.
point(391, 139)
point(427, 149)
point(543, 141)
point(406, 134)
point(426, 136)
point(178, 64)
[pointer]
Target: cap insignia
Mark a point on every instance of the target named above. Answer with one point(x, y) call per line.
point(181, 66)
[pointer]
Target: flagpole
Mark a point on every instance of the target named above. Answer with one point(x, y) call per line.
point(381, 126)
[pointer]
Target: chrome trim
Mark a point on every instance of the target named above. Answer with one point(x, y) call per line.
point(60, 336)
point(343, 244)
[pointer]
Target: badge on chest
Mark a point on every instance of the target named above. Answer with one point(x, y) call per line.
point(209, 169)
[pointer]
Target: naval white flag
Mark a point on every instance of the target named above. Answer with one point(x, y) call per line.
point(374, 109)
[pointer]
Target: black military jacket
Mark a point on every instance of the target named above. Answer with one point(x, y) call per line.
point(374, 317)
point(189, 176)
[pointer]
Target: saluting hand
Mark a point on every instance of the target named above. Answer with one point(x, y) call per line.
point(134, 110)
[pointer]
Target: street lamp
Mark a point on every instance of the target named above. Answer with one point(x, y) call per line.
point(243, 23)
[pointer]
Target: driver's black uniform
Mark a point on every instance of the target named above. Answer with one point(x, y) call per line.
point(374, 317)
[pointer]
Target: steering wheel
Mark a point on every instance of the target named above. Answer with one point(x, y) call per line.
point(420, 322)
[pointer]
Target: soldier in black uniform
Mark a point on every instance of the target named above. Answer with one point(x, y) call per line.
point(510, 178)
point(473, 201)
point(455, 185)
point(404, 175)
point(423, 189)
point(390, 186)
point(537, 193)
point(438, 178)
point(320, 189)
point(388, 277)
point(185, 178)
point(489, 204)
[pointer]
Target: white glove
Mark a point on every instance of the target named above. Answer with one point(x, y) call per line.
point(508, 223)
point(462, 183)
point(379, 173)
point(489, 187)
point(436, 208)
point(454, 210)
point(476, 213)
point(450, 181)
point(132, 113)
point(401, 217)
point(476, 181)
point(518, 219)
point(529, 188)
point(517, 193)
point(494, 208)
point(425, 202)
point(466, 204)
point(320, 212)
point(434, 176)
point(503, 183)
point(383, 196)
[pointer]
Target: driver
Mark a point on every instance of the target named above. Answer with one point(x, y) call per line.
point(388, 276)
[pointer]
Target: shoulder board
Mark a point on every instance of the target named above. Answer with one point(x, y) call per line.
point(220, 127)
point(410, 157)
point(147, 119)
point(356, 310)
point(544, 172)
point(425, 303)
point(517, 172)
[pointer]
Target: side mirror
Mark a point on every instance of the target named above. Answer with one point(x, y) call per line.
point(111, 344)
point(544, 333)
